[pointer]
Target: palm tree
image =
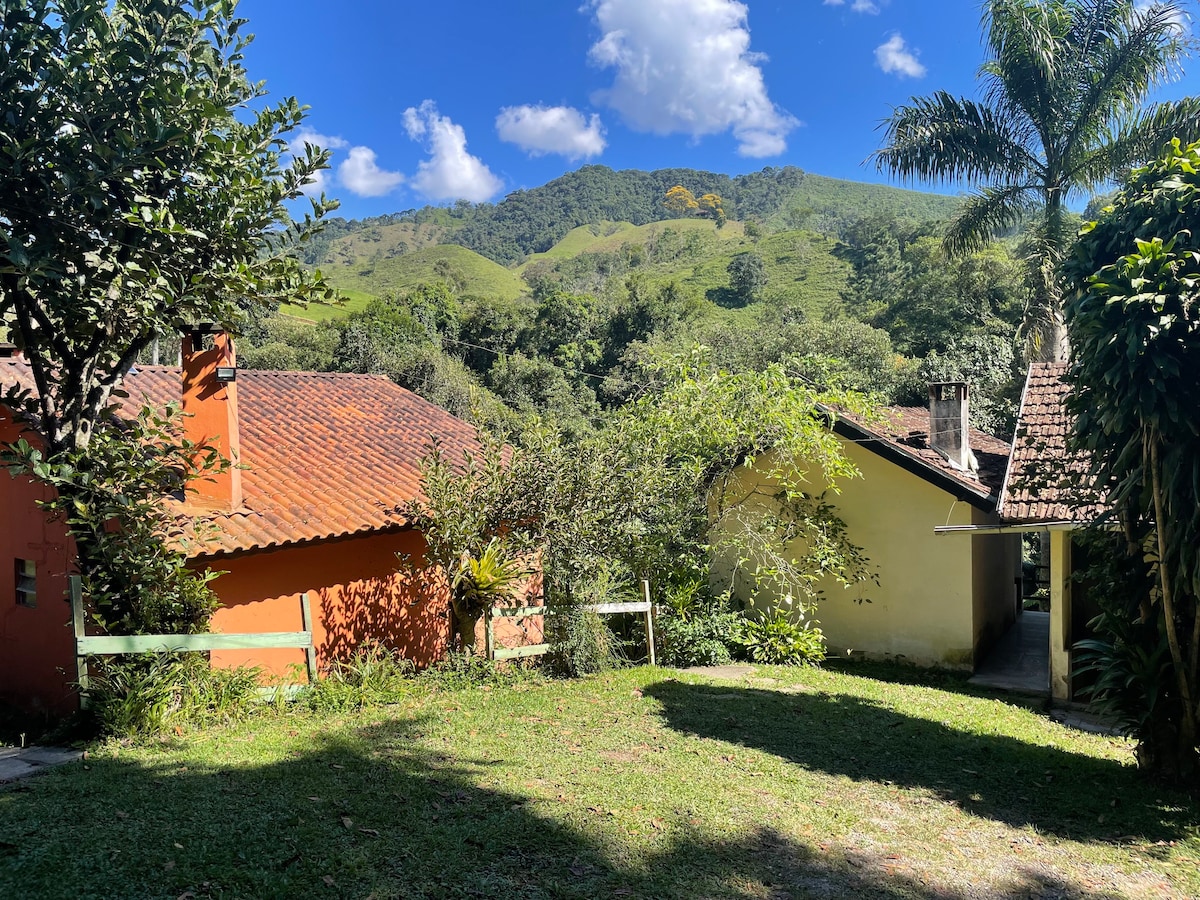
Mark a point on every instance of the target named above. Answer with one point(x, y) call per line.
point(1063, 112)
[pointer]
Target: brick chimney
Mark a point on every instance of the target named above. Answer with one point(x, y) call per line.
point(949, 433)
point(211, 414)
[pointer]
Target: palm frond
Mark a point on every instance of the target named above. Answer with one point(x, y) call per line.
point(942, 137)
point(1134, 51)
point(1139, 139)
point(986, 213)
point(1029, 59)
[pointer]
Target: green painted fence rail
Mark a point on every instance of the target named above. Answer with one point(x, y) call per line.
point(118, 645)
point(644, 606)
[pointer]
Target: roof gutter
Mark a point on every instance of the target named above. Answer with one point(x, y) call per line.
point(1007, 529)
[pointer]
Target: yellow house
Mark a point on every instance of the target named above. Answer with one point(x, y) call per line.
point(938, 602)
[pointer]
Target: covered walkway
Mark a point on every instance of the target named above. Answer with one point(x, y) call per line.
point(1020, 661)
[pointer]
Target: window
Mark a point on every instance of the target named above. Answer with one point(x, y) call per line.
point(26, 583)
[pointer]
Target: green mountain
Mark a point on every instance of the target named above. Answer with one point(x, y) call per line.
point(589, 230)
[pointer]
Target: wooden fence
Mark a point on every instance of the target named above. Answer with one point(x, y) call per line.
point(645, 607)
point(118, 645)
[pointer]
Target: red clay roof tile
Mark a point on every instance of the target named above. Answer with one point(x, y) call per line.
point(1043, 477)
point(327, 455)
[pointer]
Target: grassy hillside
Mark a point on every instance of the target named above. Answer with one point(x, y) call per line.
point(353, 301)
point(819, 203)
point(469, 271)
point(801, 268)
point(367, 246)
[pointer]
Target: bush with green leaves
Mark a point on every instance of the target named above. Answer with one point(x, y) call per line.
point(1133, 316)
point(696, 628)
point(149, 694)
point(581, 641)
point(372, 675)
point(781, 638)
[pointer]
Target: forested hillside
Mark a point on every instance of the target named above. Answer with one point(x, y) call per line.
point(534, 220)
point(562, 303)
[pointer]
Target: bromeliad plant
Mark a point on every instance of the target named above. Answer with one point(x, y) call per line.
point(480, 583)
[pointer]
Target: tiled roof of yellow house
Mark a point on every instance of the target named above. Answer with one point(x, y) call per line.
point(1044, 476)
point(902, 436)
point(325, 455)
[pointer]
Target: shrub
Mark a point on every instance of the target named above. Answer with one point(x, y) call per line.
point(695, 628)
point(581, 643)
point(373, 675)
point(777, 640)
point(149, 694)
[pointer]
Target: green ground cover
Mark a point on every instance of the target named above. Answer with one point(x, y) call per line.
point(641, 783)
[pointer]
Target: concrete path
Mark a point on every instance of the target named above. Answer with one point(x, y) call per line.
point(18, 762)
point(1020, 661)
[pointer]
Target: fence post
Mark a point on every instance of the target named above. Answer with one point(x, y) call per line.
point(75, 591)
point(649, 619)
point(310, 652)
point(489, 635)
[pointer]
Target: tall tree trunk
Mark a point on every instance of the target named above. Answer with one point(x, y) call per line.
point(1186, 751)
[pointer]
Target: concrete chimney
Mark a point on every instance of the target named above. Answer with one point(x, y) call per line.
point(211, 415)
point(949, 433)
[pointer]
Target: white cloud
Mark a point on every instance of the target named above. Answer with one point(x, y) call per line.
point(685, 67)
point(858, 6)
point(360, 174)
point(894, 57)
point(322, 179)
point(450, 173)
point(1180, 18)
point(539, 130)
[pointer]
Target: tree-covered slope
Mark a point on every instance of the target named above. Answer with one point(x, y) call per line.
point(534, 221)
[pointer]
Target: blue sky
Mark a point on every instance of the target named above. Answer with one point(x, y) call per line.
point(426, 102)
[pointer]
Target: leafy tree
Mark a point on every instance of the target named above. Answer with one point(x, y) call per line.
point(680, 201)
point(747, 277)
point(1134, 320)
point(1064, 111)
point(138, 196)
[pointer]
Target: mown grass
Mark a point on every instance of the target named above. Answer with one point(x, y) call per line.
point(642, 783)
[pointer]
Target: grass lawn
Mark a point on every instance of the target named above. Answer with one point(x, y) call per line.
point(641, 783)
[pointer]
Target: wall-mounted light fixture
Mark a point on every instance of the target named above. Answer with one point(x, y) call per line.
point(226, 373)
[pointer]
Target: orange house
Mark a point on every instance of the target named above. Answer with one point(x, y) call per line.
point(324, 464)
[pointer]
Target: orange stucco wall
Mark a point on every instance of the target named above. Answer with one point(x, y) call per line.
point(358, 590)
point(37, 657)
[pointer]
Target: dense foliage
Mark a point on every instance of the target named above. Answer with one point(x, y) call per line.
point(137, 195)
point(1134, 322)
point(1065, 87)
point(140, 194)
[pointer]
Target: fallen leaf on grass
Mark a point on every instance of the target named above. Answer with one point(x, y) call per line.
point(347, 822)
point(371, 831)
point(329, 882)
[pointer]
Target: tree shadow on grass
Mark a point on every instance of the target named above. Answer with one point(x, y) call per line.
point(372, 812)
point(993, 776)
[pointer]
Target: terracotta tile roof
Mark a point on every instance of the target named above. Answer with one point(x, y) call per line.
point(903, 436)
point(327, 455)
point(1043, 477)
